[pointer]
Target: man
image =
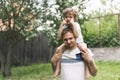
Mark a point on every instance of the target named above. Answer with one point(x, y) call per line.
point(72, 62)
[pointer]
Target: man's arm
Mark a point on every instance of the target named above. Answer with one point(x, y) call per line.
point(92, 67)
point(90, 63)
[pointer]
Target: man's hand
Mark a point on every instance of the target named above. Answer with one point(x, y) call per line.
point(87, 57)
point(83, 47)
point(90, 63)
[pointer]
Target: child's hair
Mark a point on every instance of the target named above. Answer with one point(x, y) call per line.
point(70, 11)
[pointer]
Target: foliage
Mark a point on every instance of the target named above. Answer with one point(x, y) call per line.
point(108, 70)
point(110, 31)
point(19, 17)
point(18, 20)
point(101, 32)
point(91, 33)
point(54, 17)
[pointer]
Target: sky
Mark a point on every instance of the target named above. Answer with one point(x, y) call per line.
point(96, 5)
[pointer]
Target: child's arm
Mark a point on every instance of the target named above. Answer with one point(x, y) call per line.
point(74, 26)
point(61, 29)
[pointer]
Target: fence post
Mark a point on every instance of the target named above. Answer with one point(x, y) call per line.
point(100, 37)
point(119, 27)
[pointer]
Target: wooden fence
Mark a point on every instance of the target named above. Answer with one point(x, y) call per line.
point(32, 51)
point(35, 50)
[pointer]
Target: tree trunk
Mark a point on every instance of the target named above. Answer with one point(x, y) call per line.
point(2, 60)
point(6, 61)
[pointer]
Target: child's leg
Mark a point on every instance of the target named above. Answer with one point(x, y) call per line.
point(57, 71)
point(82, 47)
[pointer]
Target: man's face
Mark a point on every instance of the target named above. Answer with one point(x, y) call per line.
point(69, 40)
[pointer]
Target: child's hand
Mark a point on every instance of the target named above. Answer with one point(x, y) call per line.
point(72, 21)
point(63, 22)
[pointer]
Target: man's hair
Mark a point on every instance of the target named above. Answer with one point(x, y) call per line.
point(65, 30)
point(70, 11)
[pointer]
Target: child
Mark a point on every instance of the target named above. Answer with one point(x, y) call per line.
point(70, 18)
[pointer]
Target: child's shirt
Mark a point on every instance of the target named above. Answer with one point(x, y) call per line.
point(80, 37)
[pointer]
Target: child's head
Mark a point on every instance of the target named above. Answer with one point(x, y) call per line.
point(70, 12)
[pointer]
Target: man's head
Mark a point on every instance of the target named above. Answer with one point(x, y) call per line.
point(70, 13)
point(69, 38)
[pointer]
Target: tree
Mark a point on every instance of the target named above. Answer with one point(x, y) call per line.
point(18, 20)
point(54, 17)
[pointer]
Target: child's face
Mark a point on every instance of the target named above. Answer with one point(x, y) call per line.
point(69, 17)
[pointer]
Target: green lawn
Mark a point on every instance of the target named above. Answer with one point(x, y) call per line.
point(106, 71)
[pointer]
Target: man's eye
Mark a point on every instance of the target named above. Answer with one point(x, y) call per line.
point(70, 38)
point(65, 39)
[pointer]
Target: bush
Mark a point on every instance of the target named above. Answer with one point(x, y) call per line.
point(103, 33)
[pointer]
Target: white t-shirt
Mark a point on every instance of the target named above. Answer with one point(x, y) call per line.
point(70, 54)
point(72, 69)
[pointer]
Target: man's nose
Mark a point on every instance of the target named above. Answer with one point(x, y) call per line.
point(68, 41)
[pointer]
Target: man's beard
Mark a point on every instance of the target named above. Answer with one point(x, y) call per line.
point(70, 46)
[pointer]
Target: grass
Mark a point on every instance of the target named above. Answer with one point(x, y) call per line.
point(106, 71)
